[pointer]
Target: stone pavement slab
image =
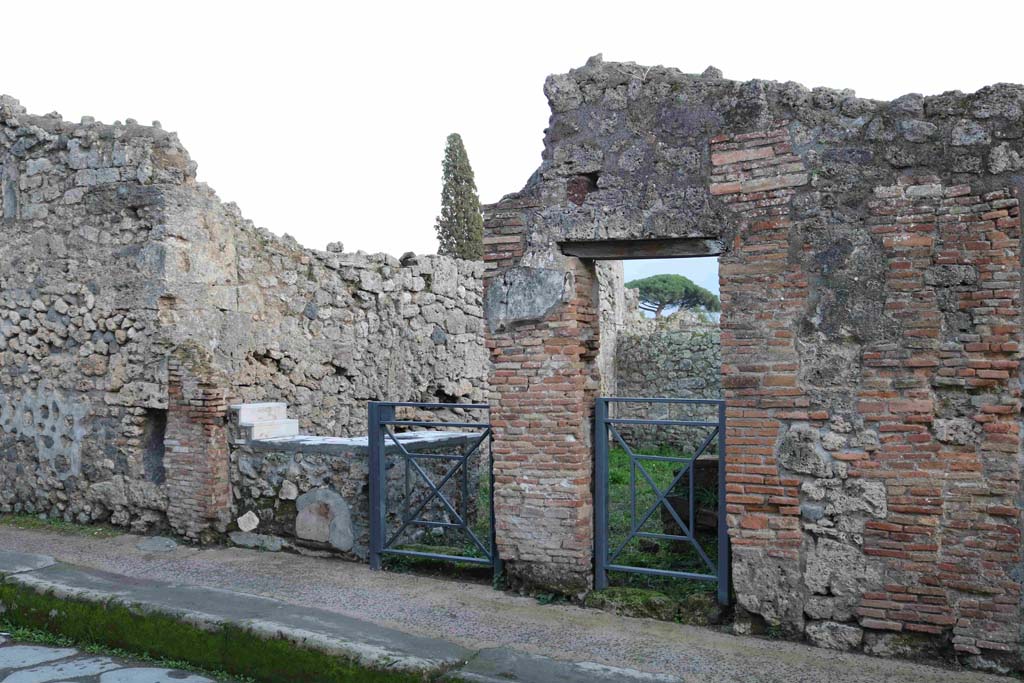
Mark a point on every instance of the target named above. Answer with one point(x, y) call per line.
point(63, 670)
point(41, 664)
point(501, 665)
point(502, 637)
point(15, 563)
point(21, 656)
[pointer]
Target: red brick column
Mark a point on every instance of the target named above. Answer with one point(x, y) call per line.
point(543, 385)
point(763, 297)
point(196, 458)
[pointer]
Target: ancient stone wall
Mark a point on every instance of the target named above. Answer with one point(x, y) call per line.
point(314, 498)
point(870, 272)
point(113, 257)
point(678, 356)
point(324, 332)
point(615, 315)
point(82, 381)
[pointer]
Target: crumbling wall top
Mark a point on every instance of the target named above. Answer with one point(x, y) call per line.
point(627, 152)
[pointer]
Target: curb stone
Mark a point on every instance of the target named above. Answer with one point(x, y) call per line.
point(371, 646)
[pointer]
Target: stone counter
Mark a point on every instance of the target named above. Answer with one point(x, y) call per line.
point(310, 494)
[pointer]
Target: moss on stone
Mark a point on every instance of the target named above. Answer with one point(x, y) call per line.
point(696, 609)
point(413, 563)
point(633, 602)
point(227, 648)
point(60, 526)
point(699, 609)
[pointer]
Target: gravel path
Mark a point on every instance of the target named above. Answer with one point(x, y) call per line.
point(476, 616)
point(21, 663)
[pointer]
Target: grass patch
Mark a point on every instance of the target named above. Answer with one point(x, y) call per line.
point(455, 542)
point(226, 649)
point(657, 553)
point(34, 636)
point(34, 522)
point(437, 567)
point(634, 602)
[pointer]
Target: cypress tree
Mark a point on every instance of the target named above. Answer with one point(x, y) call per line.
point(460, 227)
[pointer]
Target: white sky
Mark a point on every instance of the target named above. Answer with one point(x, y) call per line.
point(327, 121)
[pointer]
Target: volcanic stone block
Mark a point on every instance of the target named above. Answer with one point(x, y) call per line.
point(324, 517)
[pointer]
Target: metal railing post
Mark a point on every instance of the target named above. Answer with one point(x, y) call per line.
point(724, 564)
point(600, 494)
point(377, 413)
point(496, 564)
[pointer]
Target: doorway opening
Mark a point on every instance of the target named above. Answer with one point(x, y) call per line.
point(660, 527)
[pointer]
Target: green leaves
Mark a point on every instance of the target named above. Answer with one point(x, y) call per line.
point(659, 292)
point(460, 227)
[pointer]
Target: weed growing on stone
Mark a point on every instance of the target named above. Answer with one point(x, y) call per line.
point(549, 598)
point(22, 521)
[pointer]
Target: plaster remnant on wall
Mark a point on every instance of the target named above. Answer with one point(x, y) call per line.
point(525, 294)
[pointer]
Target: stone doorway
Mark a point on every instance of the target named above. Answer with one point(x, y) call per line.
point(870, 270)
point(659, 489)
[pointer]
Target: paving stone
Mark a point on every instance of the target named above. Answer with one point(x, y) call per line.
point(247, 539)
point(73, 668)
point(157, 544)
point(151, 675)
point(19, 656)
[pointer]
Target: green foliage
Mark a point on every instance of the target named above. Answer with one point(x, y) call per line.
point(34, 636)
point(633, 602)
point(549, 598)
point(659, 292)
point(662, 554)
point(460, 227)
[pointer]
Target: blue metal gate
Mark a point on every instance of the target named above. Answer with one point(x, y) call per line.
point(608, 430)
point(423, 476)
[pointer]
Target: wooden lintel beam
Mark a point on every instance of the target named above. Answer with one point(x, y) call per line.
point(616, 250)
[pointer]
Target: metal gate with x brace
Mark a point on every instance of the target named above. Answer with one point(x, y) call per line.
point(604, 556)
point(383, 440)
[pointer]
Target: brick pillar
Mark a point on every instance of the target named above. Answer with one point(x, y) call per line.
point(543, 384)
point(763, 298)
point(196, 458)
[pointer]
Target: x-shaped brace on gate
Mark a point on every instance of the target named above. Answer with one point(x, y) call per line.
point(661, 496)
point(435, 489)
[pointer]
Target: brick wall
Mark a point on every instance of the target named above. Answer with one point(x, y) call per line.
point(951, 541)
point(756, 174)
point(870, 361)
point(196, 459)
point(543, 384)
